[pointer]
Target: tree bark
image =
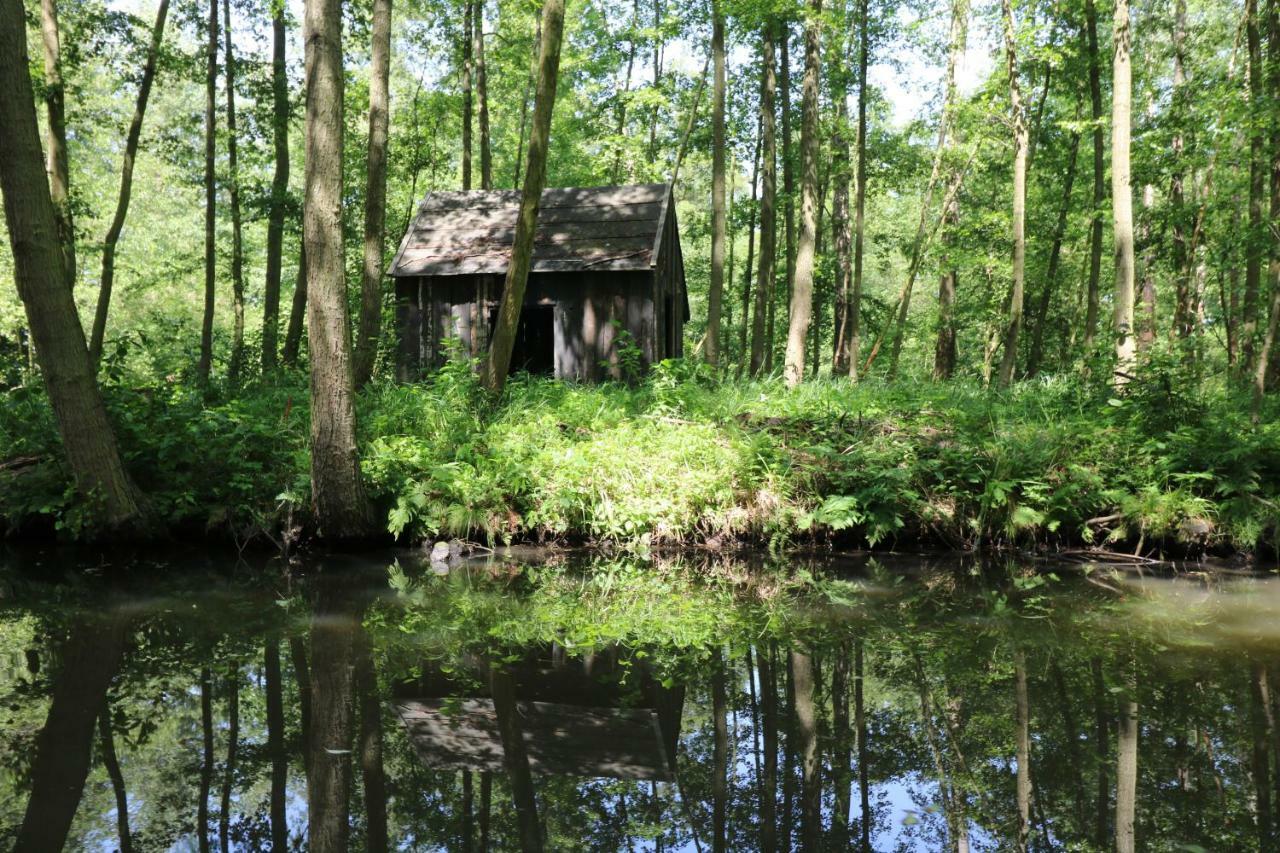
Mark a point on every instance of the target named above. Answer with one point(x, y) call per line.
point(859, 194)
point(229, 768)
point(841, 230)
point(769, 738)
point(718, 217)
point(1023, 748)
point(1013, 328)
point(719, 757)
point(233, 190)
point(55, 108)
point(1256, 246)
point(802, 289)
point(206, 758)
point(1127, 773)
point(1122, 193)
point(371, 771)
point(329, 745)
point(1093, 290)
point(468, 25)
point(126, 186)
point(860, 723)
point(87, 437)
point(109, 760)
point(624, 93)
point(205, 363)
point(297, 312)
point(337, 489)
point(279, 190)
point(807, 728)
point(765, 283)
point(375, 197)
point(657, 79)
point(508, 322)
point(1055, 256)
point(275, 745)
point(1183, 313)
point(744, 328)
point(482, 97)
point(1266, 353)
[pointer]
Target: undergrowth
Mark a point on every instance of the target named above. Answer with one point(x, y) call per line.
point(687, 457)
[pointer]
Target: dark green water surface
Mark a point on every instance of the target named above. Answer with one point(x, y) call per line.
point(197, 702)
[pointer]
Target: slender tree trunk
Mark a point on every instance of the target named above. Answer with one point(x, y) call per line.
point(371, 771)
point(375, 197)
point(329, 746)
point(1256, 247)
point(205, 364)
point(1127, 774)
point(337, 490)
point(1024, 749)
point(748, 272)
point(841, 230)
point(1265, 354)
point(720, 756)
point(88, 441)
point(126, 186)
point(467, 26)
point(482, 96)
point(859, 194)
point(841, 757)
point(1183, 313)
point(802, 288)
point(807, 728)
point(467, 810)
point(504, 333)
point(501, 684)
point(275, 745)
point(1013, 327)
point(55, 108)
point(1261, 758)
point(486, 796)
point(718, 218)
point(1146, 323)
point(860, 723)
point(624, 94)
point(765, 282)
point(112, 763)
point(1122, 193)
point(302, 676)
point(229, 769)
point(279, 189)
point(657, 79)
point(233, 176)
point(297, 312)
point(206, 760)
point(1093, 289)
point(944, 354)
point(1100, 727)
point(769, 745)
point(1055, 257)
point(788, 156)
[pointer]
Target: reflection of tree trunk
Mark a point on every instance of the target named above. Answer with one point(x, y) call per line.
point(1261, 751)
point(206, 763)
point(503, 689)
point(720, 754)
point(1024, 749)
point(1100, 725)
point(90, 658)
point(233, 737)
point(840, 757)
point(788, 755)
point(769, 733)
point(807, 728)
point(486, 794)
point(467, 831)
point(329, 746)
point(302, 675)
point(112, 764)
point(371, 773)
point(1071, 737)
point(952, 801)
point(1127, 774)
point(275, 745)
point(860, 723)
point(755, 721)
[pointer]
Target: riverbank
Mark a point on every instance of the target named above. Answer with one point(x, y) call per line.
point(687, 459)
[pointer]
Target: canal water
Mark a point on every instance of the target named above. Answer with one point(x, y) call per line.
point(629, 703)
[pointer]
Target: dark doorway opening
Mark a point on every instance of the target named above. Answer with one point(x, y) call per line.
point(535, 345)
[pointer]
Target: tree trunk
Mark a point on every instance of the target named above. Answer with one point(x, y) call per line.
point(371, 771)
point(718, 219)
point(859, 194)
point(297, 312)
point(486, 796)
point(337, 490)
point(206, 758)
point(332, 663)
point(1127, 772)
point(807, 728)
point(1265, 354)
point(1146, 323)
point(657, 79)
point(860, 723)
point(83, 426)
point(944, 354)
point(229, 769)
point(841, 234)
point(1257, 243)
point(502, 685)
point(55, 108)
point(92, 653)
point(233, 175)
point(620, 110)
point(841, 757)
point(719, 757)
point(467, 26)
point(744, 327)
point(802, 288)
point(1122, 194)
point(1260, 768)
point(1024, 749)
point(768, 196)
point(1183, 313)
point(1013, 328)
point(375, 197)
point(467, 810)
point(482, 96)
point(1100, 749)
point(126, 186)
point(275, 745)
point(1093, 291)
point(112, 763)
point(788, 157)
point(205, 364)
point(504, 333)
point(279, 190)
point(769, 734)
point(1055, 257)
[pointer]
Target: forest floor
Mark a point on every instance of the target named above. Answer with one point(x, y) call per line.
point(687, 458)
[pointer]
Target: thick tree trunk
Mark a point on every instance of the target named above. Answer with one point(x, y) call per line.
point(107, 743)
point(279, 190)
point(854, 344)
point(205, 363)
point(482, 96)
point(768, 196)
point(92, 652)
point(275, 745)
point(1055, 256)
point(297, 312)
point(802, 288)
point(229, 768)
point(1122, 193)
point(718, 218)
point(375, 197)
point(1013, 327)
point(329, 745)
point(467, 25)
point(126, 186)
point(1127, 775)
point(504, 333)
point(233, 190)
point(1093, 288)
point(87, 437)
point(55, 109)
point(371, 772)
point(337, 490)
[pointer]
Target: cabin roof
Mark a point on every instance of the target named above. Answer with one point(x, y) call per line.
point(579, 228)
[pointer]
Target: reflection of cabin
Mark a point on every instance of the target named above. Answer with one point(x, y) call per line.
point(577, 716)
point(605, 259)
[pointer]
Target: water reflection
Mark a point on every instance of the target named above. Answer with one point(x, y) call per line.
point(371, 704)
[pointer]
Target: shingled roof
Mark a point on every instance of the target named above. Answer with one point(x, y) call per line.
point(598, 228)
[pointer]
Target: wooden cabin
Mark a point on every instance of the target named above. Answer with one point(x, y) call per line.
point(606, 260)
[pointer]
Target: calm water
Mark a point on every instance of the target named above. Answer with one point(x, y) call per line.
point(628, 704)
